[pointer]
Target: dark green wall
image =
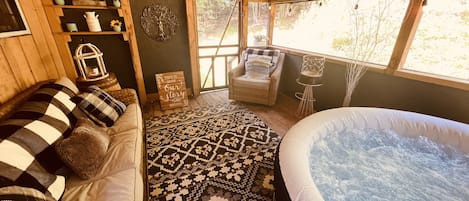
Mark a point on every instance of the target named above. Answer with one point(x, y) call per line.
point(381, 90)
point(116, 52)
point(168, 56)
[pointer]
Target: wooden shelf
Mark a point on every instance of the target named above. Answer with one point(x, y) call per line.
point(96, 33)
point(87, 7)
point(125, 34)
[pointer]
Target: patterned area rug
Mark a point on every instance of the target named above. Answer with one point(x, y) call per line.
point(215, 153)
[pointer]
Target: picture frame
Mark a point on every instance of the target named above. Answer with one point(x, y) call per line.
point(12, 20)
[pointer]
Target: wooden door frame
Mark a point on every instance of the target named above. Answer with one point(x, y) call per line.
point(193, 44)
point(191, 13)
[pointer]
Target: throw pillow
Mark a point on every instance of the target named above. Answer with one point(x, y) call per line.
point(85, 149)
point(258, 66)
point(275, 54)
point(100, 106)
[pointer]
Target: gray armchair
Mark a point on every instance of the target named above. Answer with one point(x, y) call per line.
point(262, 91)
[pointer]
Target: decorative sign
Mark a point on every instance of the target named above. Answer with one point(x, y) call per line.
point(159, 22)
point(172, 90)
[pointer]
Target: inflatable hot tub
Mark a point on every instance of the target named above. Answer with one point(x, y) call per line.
point(293, 180)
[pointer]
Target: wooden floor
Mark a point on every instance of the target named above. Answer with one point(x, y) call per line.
point(279, 117)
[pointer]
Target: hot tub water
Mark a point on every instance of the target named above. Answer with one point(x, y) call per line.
point(381, 165)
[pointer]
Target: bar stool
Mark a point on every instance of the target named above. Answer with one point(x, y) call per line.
point(310, 77)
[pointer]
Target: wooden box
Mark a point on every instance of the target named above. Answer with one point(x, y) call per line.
point(172, 90)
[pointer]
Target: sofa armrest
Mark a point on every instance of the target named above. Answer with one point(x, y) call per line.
point(127, 95)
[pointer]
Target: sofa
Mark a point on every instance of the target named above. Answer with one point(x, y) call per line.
point(33, 170)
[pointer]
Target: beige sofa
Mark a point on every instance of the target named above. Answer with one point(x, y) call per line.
point(123, 171)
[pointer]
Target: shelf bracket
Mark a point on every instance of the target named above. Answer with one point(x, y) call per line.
point(59, 11)
point(125, 36)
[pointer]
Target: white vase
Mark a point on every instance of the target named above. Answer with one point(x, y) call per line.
point(92, 21)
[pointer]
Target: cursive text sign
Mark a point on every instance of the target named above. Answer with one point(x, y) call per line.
point(172, 90)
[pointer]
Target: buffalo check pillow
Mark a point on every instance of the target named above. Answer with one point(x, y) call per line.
point(100, 106)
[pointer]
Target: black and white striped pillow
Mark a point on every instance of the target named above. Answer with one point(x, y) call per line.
point(100, 106)
point(28, 157)
point(275, 54)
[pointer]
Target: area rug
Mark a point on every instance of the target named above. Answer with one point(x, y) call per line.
point(216, 153)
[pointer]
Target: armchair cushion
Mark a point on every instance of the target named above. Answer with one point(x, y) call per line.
point(259, 67)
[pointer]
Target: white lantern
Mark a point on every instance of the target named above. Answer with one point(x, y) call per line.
point(93, 72)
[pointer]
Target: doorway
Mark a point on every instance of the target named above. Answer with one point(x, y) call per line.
point(214, 35)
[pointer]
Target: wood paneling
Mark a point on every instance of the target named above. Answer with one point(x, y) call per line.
point(28, 59)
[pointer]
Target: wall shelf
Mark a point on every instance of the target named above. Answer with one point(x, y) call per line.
point(96, 33)
point(86, 7)
point(63, 38)
point(125, 34)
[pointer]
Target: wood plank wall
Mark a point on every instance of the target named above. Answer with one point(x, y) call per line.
point(26, 60)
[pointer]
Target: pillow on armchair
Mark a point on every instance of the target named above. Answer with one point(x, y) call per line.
point(260, 63)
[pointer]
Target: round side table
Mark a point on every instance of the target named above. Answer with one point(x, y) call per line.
point(109, 83)
point(306, 106)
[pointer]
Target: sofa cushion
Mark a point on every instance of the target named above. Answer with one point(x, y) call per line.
point(100, 106)
point(259, 67)
point(85, 149)
point(123, 162)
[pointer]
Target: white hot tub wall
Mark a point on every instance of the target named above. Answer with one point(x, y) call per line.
point(297, 143)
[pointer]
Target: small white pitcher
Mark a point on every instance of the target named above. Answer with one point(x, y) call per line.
point(92, 21)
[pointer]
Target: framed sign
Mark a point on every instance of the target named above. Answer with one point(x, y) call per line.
point(172, 90)
point(12, 21)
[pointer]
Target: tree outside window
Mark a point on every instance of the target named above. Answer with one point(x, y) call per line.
point(326, 28)
point(441, 43)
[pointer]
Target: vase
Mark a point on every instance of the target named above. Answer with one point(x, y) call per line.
point(72, 27)
point(116, 3)
point(92, 21)
point(59, 2)
point(117, 28)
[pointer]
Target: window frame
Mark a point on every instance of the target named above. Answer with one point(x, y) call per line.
point(399, 54)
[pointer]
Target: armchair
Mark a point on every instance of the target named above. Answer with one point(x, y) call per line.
point(248, 89)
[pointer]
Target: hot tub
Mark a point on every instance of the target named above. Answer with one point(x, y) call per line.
point(293, 179)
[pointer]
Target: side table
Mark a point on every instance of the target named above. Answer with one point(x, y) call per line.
point(306, 106)
point(110, 83)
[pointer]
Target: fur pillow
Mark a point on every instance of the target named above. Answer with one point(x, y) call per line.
point(85, 149)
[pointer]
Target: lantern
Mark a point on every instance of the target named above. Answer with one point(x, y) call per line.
point(90, 62)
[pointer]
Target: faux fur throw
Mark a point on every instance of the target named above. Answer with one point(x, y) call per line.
point(85, 149)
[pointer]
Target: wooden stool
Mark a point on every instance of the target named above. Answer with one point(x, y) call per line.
point(110, 83)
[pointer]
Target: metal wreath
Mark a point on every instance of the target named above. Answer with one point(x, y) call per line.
point(158, 22)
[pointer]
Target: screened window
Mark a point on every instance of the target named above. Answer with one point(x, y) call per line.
point(258, 23)
point(441, 43)
point(365, 30)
